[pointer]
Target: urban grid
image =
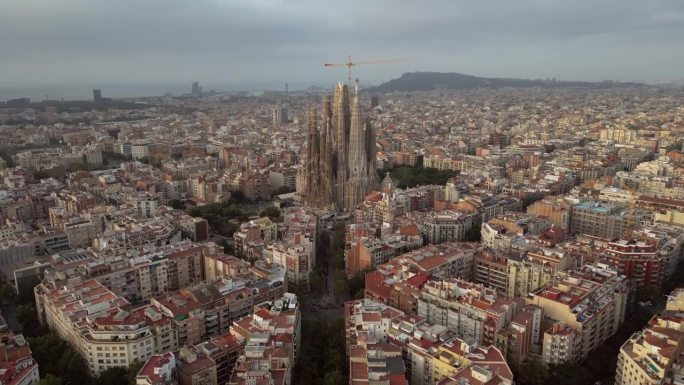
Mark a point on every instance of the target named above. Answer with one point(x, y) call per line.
point(433, 229)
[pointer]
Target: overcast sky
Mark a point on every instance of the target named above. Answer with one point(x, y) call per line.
point(255, 43)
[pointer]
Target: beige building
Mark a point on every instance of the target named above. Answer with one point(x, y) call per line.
point(94, 321)
point(560, 345)
point(252, 236)
point(590, 300)
point(446, 226)
point(558, 210)
point(272, 337)
point(297, 256)
point(469, 310)
point(600, 219)
point(194, 368)
point(654, 355)
point(531, 271)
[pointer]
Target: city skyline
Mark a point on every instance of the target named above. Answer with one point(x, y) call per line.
point(263, 44)
point(389, 192)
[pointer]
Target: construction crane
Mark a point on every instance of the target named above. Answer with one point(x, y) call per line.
point(349, 64)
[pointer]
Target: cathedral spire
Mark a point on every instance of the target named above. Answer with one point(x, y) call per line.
point(340, 165)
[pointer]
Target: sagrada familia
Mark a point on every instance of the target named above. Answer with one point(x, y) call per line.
point(339, 170)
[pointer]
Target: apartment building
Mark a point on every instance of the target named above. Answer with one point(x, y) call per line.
point(196, 229)
point(195, 367)
point(296, 248)
point(364, 249)
point(136, 273)
point(253, 235)
point(208, 363)
point(160, 369)
point(102, 326)
point(529, 271)
point(489, 206)
point(386, 346)
point(469, 310)
point(561, 344)
point(600, 219)
point(297, 255)
point(224, 350)
point(272, 337)
point(16, 362)
point(379, 364)
point(557, 210)
point(646, 258)
point(144, 203)
point(639, 261)
point(523, 336)
point(521, 224)
point(665, 210)
point(391, 203)
point(654, 355)
point(463, 362)
point(491, 270)
point(446, 226)
point(208, 309)
point(591, 300)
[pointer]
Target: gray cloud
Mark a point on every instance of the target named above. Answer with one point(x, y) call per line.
point(262, 42)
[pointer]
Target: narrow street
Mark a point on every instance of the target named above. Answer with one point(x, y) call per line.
point(323, 305)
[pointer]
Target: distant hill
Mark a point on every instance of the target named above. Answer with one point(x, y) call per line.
point(425, 81)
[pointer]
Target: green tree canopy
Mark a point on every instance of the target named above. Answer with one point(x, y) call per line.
point(51, 379)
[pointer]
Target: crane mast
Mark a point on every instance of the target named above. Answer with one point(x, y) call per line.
point(350, 64)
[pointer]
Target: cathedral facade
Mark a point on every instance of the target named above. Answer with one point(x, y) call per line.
point(339, 169)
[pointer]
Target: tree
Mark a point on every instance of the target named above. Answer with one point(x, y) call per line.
point(7, 158)
point(529, 200)
point(567, 374)
point(50, 379)
point(237, 196)
point(357, 283)
point(228, 248)
point(113, 376)
point(133, 370)
point(220, 217)
point(28, 318)
point(474, 234)
point(334, 378)
point(316, 282)
point(338, 243)
point(340, 285)
point(56, 357)
point(649, 293)
point(281, 190)
point(418, 176)
point(7, 292)
point(271, 212)
point(322, 358)
point(533, 373)
point(40, 174)
point(77, 369)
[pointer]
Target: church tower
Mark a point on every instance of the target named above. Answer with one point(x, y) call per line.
point(340, 167)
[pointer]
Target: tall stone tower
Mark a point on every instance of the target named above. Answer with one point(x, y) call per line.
point(340, 167)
